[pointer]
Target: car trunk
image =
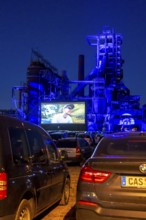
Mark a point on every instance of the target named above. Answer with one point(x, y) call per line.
point(126, 184)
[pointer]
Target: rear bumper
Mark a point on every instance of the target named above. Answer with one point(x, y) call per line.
point(97, 212)
point(73, 159)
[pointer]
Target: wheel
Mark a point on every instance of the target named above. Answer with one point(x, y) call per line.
point(66, 193)
point(24, 211)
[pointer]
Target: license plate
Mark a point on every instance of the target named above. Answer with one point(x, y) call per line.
point(133, 181)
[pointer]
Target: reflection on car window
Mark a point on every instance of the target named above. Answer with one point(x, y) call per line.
point(52, 151)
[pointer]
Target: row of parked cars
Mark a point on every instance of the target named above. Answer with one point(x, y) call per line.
point(75, 146)
point(34, 175)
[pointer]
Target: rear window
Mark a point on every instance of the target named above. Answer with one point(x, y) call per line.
point(80, 142)
point(126, 146)
point(67, 144)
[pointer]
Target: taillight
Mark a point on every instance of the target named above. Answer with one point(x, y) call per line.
point(88, 203)
point(94, 176)
point(78, 152)
point(3, 185)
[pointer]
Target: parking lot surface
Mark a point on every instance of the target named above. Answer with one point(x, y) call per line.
point(64, 212)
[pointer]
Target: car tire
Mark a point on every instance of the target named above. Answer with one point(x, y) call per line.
point(66, 193)
point(24, 211)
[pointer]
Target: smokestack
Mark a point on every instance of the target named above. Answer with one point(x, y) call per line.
point(81, 72)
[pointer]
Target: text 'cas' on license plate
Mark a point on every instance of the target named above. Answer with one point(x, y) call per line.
point(133, 181)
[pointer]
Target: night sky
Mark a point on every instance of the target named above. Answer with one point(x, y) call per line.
point(58, 29)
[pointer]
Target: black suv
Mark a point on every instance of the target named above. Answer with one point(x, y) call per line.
point(32, 175)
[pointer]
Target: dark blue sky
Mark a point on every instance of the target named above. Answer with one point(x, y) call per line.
point(58, 30)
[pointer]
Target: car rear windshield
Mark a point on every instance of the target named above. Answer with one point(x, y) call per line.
point(80, 142)
point(66, 144)
point(124, 146)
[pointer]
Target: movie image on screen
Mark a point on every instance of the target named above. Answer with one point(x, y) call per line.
point(63, 113)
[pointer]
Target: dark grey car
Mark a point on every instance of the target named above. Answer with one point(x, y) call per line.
point(112, 182)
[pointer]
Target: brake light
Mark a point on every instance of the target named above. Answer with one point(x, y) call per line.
point(3, 185)
point(93, 176)
point(78, 152)
point(88, 203)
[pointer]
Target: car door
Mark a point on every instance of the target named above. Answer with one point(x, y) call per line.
point(57, 168)
point(42, 173)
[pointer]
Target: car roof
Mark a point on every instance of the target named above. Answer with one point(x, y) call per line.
point(70, 138)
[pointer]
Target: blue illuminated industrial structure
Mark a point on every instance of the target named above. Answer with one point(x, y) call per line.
point(110, 106)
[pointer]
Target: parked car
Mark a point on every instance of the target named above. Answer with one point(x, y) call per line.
point(112, 183)
point(86, 136)
point(74, 149)
point(58, 135)
point(32, 175)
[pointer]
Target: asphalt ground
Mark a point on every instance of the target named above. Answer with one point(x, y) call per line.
point(67, 212)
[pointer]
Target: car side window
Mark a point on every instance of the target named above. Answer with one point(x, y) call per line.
point(52, 150)
point(19, 145)
point(37, 147)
